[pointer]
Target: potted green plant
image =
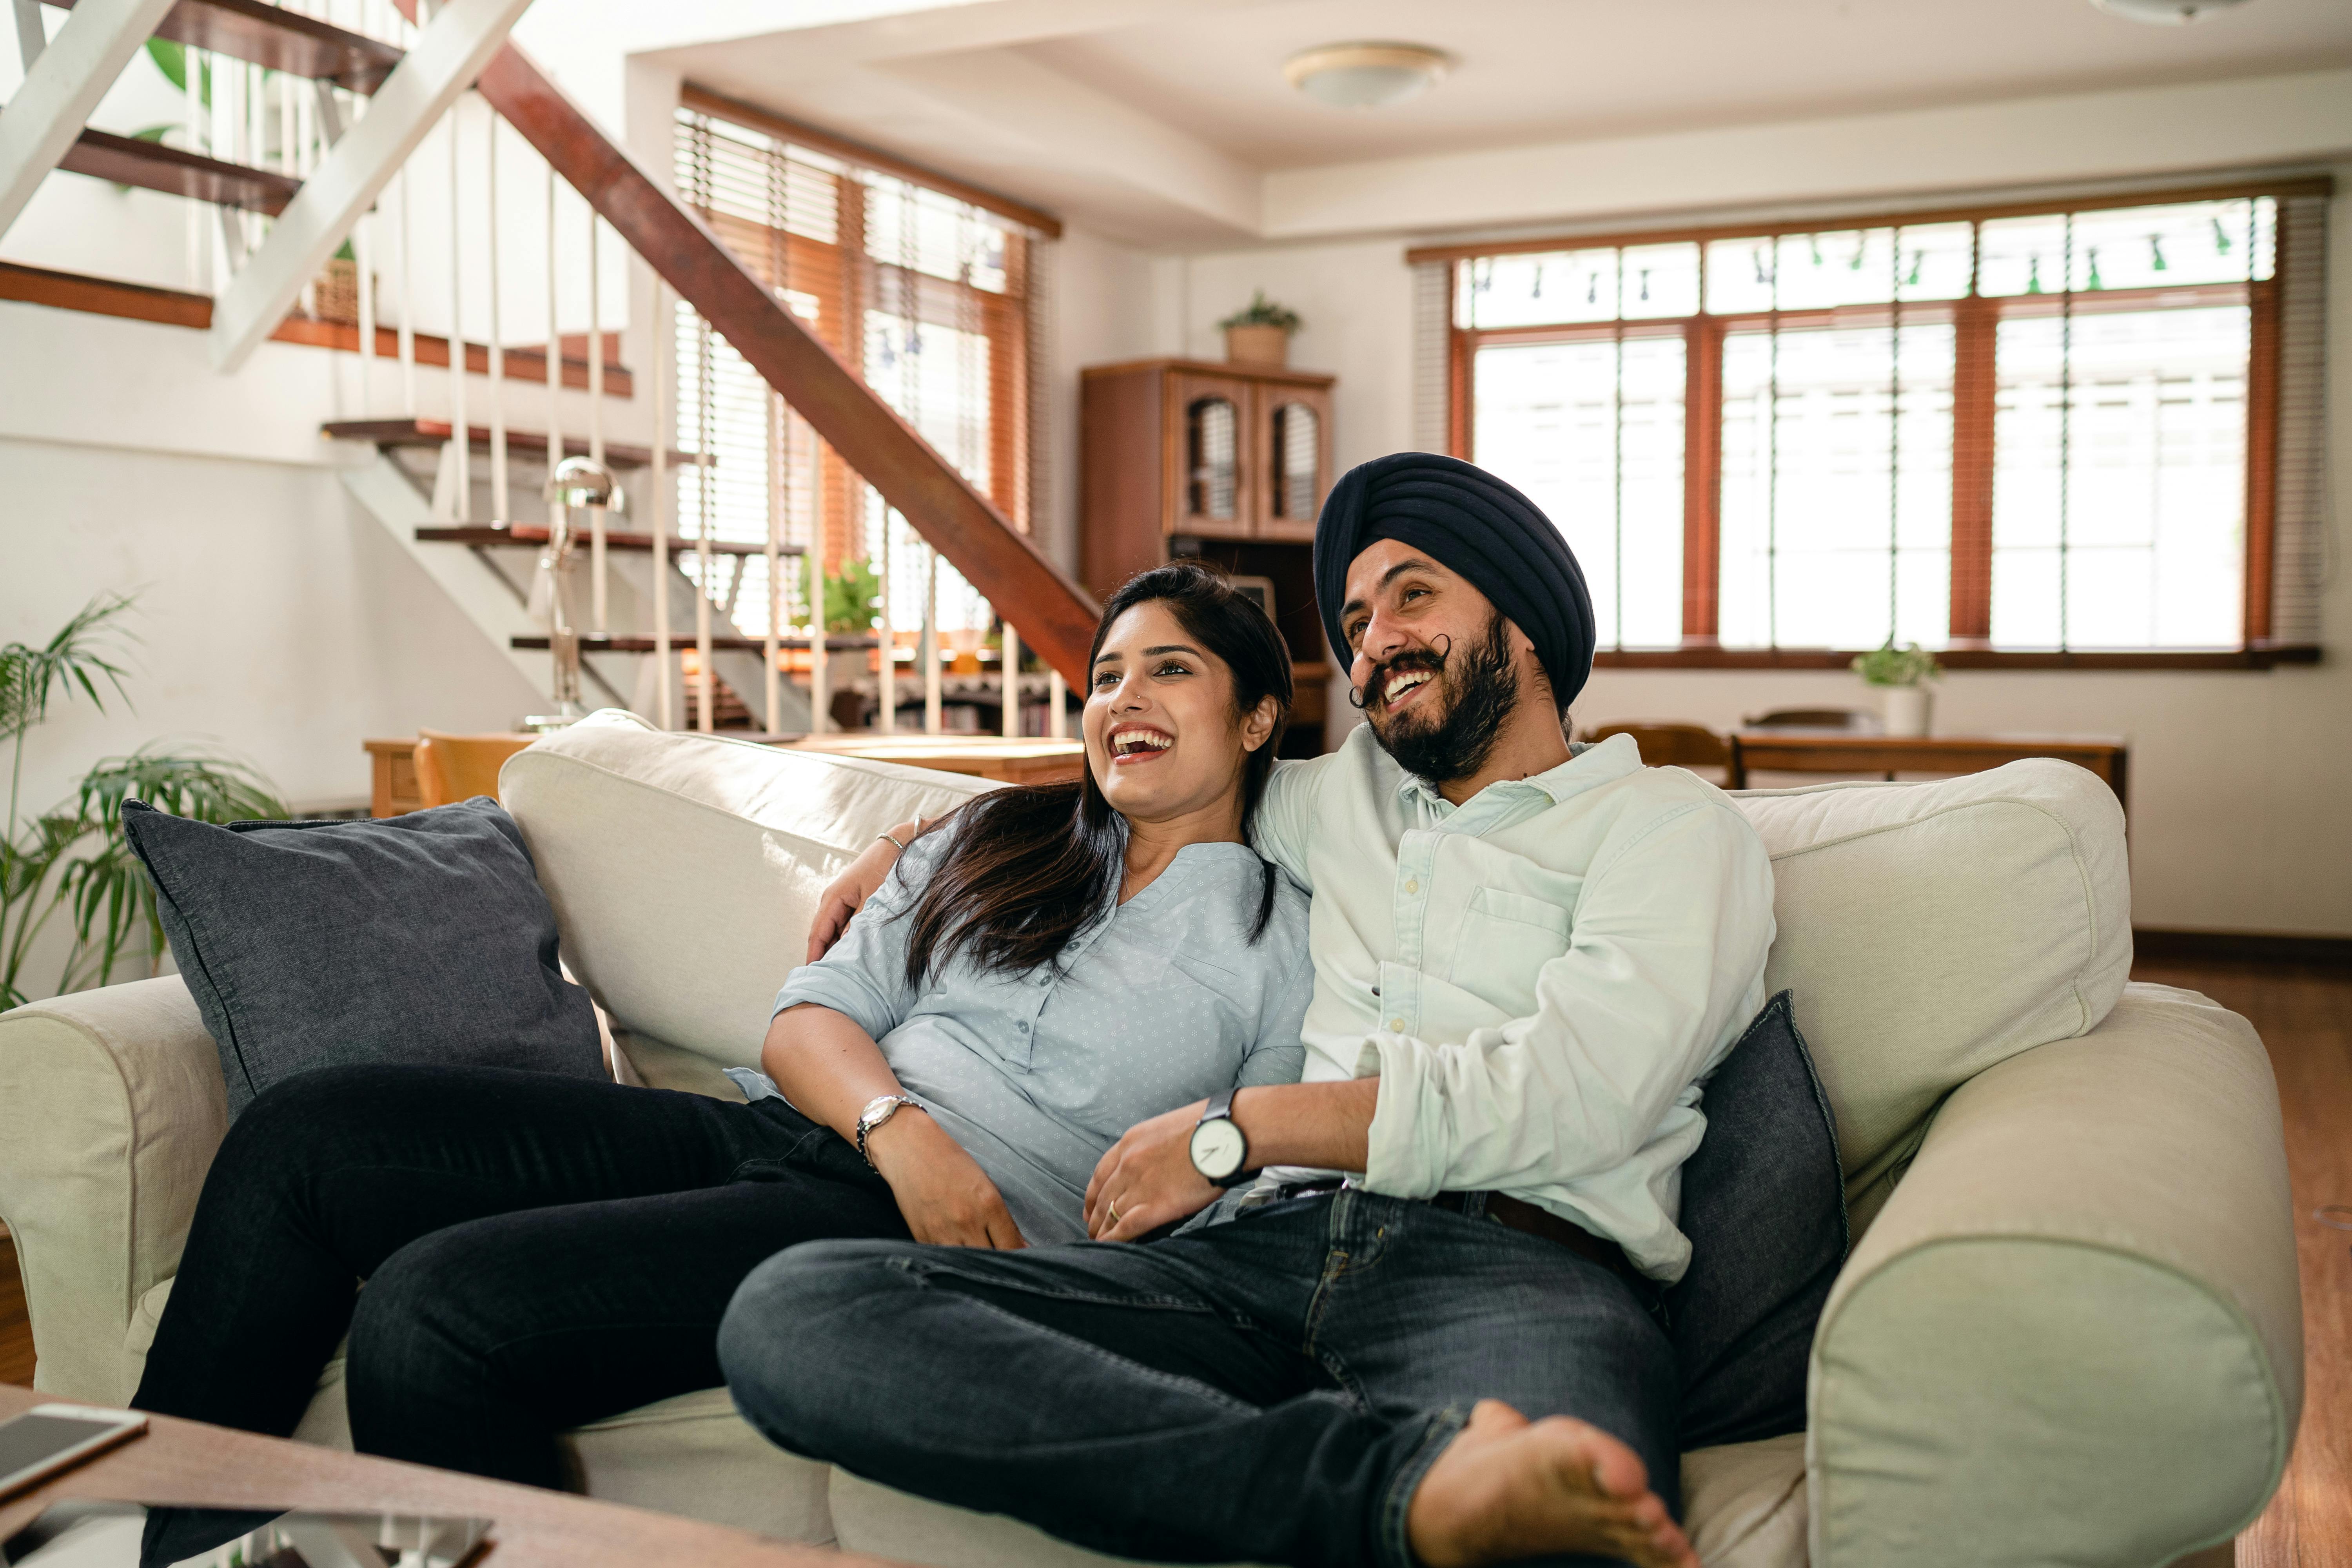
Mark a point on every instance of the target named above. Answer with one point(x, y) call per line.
point(1259, 334)
point(73, 860)
point(1901, 673)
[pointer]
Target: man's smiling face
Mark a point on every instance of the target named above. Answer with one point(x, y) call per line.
point(1437, 666)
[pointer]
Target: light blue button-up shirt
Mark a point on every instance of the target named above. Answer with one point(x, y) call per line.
point(1163, 1002)
point(1540, 977)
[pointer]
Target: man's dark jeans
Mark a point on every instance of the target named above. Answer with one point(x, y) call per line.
point(539, 1252)
point(1270, 1389)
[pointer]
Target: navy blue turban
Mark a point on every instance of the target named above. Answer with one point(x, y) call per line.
point(1471, 522)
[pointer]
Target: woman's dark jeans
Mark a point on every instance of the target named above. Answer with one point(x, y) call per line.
point(538, 1252)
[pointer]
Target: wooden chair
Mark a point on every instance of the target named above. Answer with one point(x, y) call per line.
point(451, 768)
point(1672, 745)
point(1860, 720)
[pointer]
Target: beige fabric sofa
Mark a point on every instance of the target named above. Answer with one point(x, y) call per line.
point(2069, 1329)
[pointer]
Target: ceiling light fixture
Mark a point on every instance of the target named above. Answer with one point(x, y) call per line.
point(2164, 12)
point(1365, 76)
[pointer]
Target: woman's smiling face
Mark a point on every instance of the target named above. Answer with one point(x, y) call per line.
point(1162, 738)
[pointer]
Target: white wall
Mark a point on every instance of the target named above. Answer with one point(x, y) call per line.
point(1103, 296)
point(2238, 819)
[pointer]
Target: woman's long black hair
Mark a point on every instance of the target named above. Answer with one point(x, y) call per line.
point(1032, 867)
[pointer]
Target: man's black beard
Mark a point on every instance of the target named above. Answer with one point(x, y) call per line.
point(1486, 692)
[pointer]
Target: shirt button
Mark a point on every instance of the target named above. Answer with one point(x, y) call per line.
point(1396, 1026)
point(1412, 886)
point(1023, 1025)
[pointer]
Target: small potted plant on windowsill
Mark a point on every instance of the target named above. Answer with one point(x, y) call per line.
point(1902, 675)
point(1260, 332)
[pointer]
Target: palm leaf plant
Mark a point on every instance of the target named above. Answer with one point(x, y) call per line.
point(73, 858)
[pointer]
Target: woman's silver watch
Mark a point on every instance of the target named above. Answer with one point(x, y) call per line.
point(1218, 1150)
point(878, 1109)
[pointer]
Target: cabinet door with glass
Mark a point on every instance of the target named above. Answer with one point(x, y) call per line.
point(1294, 458)
point(1214, 476)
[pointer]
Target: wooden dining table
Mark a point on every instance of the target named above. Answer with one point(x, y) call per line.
point(1793, 750)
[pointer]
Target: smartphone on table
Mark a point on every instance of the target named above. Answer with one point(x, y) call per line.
point(49, 1439)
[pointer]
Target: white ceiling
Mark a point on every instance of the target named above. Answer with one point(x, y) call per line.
point(1539, 70)
point(1158, 122)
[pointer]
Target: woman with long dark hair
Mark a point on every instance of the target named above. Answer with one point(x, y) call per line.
point(1050, 964)
point(1047, 966)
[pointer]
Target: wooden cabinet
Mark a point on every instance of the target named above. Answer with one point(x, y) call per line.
point(1183, 448)
point(1229, 462)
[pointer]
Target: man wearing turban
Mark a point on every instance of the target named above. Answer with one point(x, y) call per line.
point(1527, 957)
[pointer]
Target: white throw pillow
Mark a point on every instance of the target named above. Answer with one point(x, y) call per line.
point(1931, 929)
point(685, 868)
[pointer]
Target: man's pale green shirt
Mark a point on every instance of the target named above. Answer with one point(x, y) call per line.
point(1540, 977)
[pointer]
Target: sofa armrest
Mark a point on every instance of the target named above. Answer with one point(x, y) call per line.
point(112, 1106)
point(2074, 1333)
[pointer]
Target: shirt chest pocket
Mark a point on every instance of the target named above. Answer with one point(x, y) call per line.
point(1505, 942)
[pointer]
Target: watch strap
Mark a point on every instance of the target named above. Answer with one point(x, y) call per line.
point(879, 1111)
point(1221, 1109)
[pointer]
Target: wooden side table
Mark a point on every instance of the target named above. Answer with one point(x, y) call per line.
point(1027, 761)
point(1846, 752)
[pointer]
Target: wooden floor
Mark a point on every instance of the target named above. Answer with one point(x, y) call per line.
point(16, 1329)
point(2304, 1015)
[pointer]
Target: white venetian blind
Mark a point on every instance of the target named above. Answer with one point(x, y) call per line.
point(932, 300)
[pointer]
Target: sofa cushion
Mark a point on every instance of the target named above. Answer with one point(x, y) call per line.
point(684, 869)
point(1932, 930)
point(1743, 1506)
point(693, 1455)
point(421, 939)
point(1764, 1207)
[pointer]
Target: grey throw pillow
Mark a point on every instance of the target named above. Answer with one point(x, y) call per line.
point(423, 938)
point(1764, 1205)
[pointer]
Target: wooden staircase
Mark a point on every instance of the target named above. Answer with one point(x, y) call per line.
point(127, 161)
point(1055, 616)
point(278, 40)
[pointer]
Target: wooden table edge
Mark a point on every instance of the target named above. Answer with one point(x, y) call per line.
point(191, 1462)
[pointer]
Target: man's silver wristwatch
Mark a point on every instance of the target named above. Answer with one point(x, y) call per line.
point(878, 1109)
point(1218, 1150)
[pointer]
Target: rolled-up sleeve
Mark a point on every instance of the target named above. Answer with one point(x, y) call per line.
point(864, 976)
point(1664, 956)
point(1279, 831)
point(1279, 1053)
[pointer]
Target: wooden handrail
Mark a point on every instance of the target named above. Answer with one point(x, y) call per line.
point(1056, 617)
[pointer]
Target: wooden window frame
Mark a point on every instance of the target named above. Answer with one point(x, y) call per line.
point(1976, 321)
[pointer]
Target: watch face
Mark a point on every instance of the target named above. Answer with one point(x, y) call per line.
point(1218, 1149)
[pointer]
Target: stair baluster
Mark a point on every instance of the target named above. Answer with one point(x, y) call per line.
point(596, 541)
point(665, 661)
point(501, 505)
point(928, 649)
point(461, 449)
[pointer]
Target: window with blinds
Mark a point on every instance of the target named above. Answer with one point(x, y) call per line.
point(2087, 428)
point(930, 297)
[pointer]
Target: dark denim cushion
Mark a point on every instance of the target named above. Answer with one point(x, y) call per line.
point(1764, 1206)
point(423, 938)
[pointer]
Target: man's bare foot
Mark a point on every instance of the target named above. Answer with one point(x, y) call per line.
point(1508, 1488)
